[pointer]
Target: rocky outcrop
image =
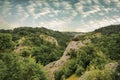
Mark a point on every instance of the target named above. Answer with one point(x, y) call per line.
point(56, 65)
point(49, 39)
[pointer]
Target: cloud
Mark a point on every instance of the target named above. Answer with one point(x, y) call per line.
point(31, 9)
point(82, 15)
point(6, 25)
point(53, 24)
point(79, 7)
point(96, 2)
point(94, 24)
point(66, 5)
point(93, 11)
point(42, 11)
point(107, 1)
point(6, 8)
point(21, 14)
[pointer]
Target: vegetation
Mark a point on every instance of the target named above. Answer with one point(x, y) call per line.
point(27, 42)
point(14, 67)
point(93, 57)
point(23, 54)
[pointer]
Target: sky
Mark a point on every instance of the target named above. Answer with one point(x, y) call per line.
point(60, 15)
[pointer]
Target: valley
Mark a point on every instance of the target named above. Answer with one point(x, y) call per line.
point(41, 54)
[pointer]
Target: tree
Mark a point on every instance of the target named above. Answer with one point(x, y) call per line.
point(6, 42)
point(33, 71)
point(14, 67)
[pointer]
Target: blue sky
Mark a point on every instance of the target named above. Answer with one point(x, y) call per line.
point(62, 15)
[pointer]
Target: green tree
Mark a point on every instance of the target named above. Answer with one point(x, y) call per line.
point(14, 67)
point(33, 71)
point(6, 42)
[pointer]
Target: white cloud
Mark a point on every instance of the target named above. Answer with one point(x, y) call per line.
point(95, 23)
point(53, 24)
point(19, 9)
point(61, 16)
point(6, 25)
point(115, 0)
point(31, 9)
point(66, 5)
point(79, 7)
point(21, 14)
point(6, 8)
point(42, 11)
point(56, 4)
point(89, 2)
point(107, 10)
point(101, 14)
point(85, 14)
point(96, 2)
point(107, 1)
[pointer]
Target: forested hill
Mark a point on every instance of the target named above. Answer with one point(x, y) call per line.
point(36, 42)
point(25, 52)
point(97, 59)
point(109, 29)
point(62, 38)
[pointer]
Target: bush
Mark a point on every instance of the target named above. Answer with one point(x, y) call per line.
point(25, 53)
point(58, 74)
point(79, 70)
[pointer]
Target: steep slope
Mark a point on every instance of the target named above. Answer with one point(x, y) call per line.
point(107, 41)
point(56, 65)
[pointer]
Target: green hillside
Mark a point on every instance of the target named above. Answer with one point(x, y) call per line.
point(25, 51)
point(112, 29)
point(97, 59)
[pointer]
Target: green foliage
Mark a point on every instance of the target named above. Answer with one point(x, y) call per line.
point(33, 71)
point(44, 52)
point(109, 45)
point(70, 68)
point(72, 54)
point(87, 58)
point(62, 38)
point(91, 57)
point(15, 37)
point(79, 70)
point(6, 42)
point(116, 75)
point(66, 71)
point(102, 75)
point(112, 29)
point(58, 75)
point(25, 53)
point(14, 67)
point(3, 70)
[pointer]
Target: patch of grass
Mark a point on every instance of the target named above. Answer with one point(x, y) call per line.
point(73, 77)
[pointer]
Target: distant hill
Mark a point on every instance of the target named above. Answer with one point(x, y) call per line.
point(109, 29)
point(61, 37)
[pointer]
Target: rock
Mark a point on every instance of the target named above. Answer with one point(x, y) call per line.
point(56, 65)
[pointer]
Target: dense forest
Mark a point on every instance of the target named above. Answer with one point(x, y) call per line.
point(25, 51)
